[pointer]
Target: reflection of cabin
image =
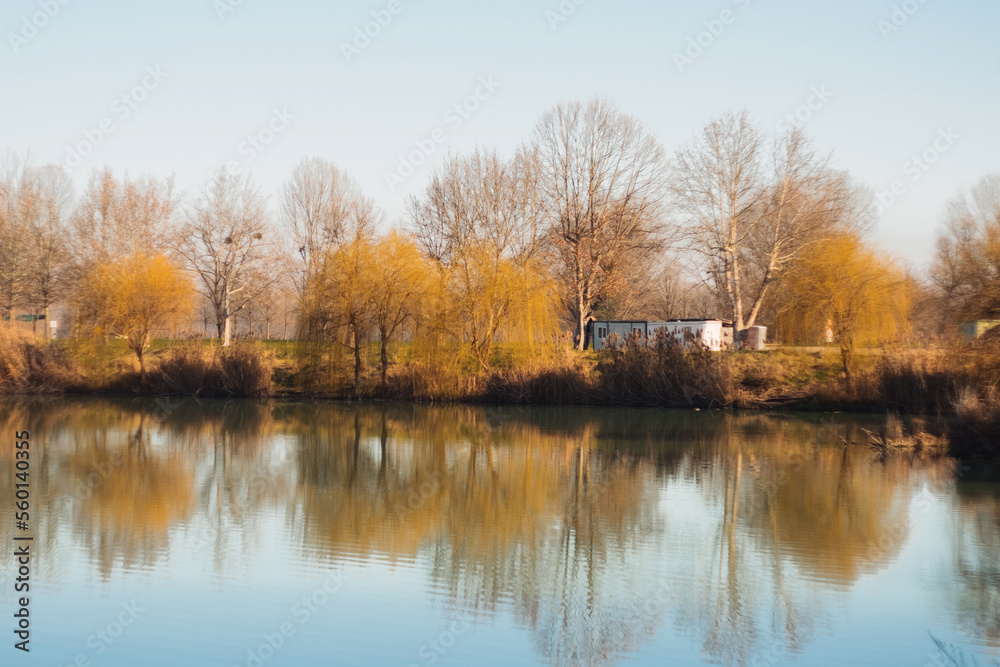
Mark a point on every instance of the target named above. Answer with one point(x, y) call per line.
point(715, 335)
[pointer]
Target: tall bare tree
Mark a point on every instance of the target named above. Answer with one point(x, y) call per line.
point(602, 177)
point(120, 218)
point(720, 190)
point(17, 201)
point(749, 211)
point(480, 199)
point(966, 268)
point(53, 194)
point(323, 207)
point(228, 242)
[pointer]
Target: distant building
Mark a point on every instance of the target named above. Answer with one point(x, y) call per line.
point(715, 335)
point(979, 328)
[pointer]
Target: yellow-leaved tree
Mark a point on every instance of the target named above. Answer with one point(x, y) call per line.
point(402, 280)
point(489, 297)
point(337, 301)
point(841, 283)
point(366, 287)
point(134, 297)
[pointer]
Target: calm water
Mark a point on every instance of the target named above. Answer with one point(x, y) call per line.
point(237, 533)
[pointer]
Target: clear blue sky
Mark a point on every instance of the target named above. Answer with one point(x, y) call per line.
point(226, 76)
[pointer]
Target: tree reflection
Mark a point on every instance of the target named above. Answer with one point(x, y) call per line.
point(592, 529)
point(977, 562)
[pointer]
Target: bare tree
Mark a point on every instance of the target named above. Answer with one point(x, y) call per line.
point(966, 268)
point(807, 202)
point(120, 218)
point(323, 207)
point(228, 243)
point(677, 294)
point(720, 190)
point(480, 199)
point(53, 194)
point(748, 213)
point(17, 201)
point(602, 178)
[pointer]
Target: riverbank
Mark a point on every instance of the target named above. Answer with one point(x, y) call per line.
point(955, 389)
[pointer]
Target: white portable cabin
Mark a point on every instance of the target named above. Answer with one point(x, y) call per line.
point(711, 333)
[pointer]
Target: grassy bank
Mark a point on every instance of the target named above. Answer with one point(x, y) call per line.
point(955, 389)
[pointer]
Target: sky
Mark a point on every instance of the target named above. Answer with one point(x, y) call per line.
point(904, 94)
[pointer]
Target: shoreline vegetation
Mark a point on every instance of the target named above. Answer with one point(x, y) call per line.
point(486, 287)
point(937, 400)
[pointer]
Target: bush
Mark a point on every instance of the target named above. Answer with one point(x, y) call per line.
point(542, 385)
point(187, 369)
point(243, 371)
point(247, 370)
point(664, 372)
point(977, 422)
point(29, 365)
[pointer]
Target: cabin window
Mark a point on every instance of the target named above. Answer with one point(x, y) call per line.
point(602, 333)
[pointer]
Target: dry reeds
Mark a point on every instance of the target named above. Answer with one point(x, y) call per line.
point(30, 365)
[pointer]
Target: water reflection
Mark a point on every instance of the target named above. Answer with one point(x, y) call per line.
point(595, 531)
point(977, 562)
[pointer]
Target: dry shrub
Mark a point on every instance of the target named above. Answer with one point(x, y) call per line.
point(29, 365)
point(912, 382)
point(189, 370)
point(553, 384)
point(244, 370)
point(977, 421)
point(247, 370)
point(759, 378)
point(664, 372)
point(423, 381)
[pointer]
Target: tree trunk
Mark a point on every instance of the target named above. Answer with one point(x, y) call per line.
point(357, 362)
point(847, 357)
point(581, 328)
point(227, 332)
point(385, 362)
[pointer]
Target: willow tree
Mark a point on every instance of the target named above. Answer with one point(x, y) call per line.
point(601, 179)
point(860, 294)
point(134, 297)
point(486, 298)
point(337, 302)
point(402, 279)
point(479, 223)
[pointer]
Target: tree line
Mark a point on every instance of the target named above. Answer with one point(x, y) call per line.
point(591, 218)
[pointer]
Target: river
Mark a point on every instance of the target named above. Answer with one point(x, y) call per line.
point(185, 532)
